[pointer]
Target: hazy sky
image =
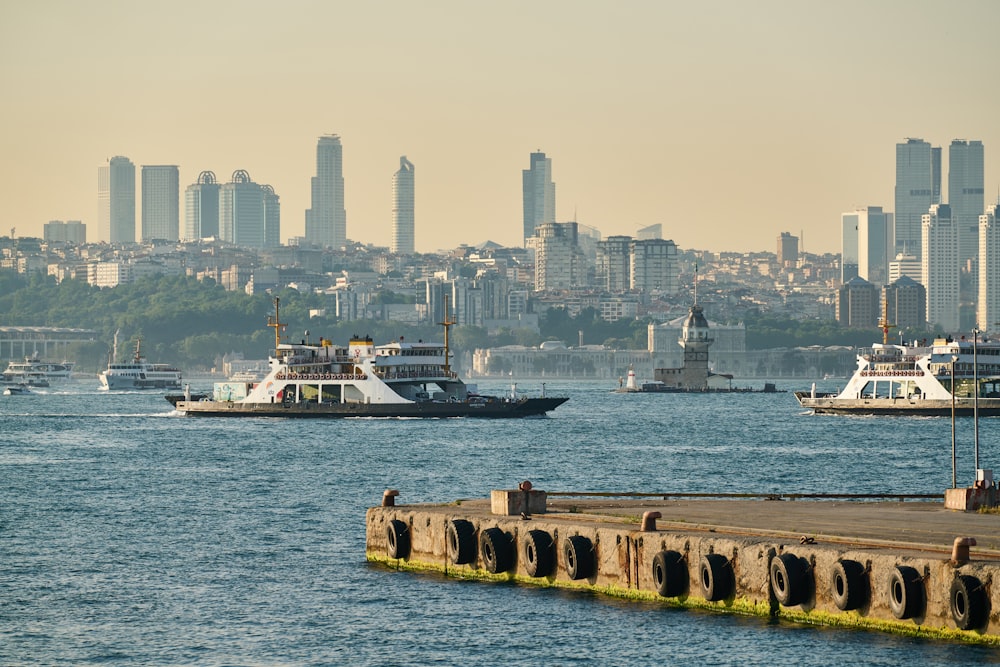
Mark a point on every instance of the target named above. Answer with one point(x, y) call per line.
point(727, 122)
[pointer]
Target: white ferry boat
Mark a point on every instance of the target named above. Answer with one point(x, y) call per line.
point(916, 379)
point(34, 372)
point(138, 373)
point(398, 379)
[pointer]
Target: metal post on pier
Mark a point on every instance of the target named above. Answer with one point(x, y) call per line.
point(954, 472)
point(975, 391)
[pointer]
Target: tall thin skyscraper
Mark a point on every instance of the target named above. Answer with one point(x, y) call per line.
point(402, 209)
point(539, 194)
point(201, 208)
point(326, 221)
point(940, 269)
point(988, 305)
point(918, 186)
point(965, 193)
point(866, 244)
point(116, 201)
point(160, 202)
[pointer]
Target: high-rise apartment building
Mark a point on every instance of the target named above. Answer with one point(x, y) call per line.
point(965, 194)
point(201, 208)
point(905, 303)
point(988, 305)
point(402, 209)
point(160, 202)
point(116, 201)
point(326, 220)
point(788, 249)
point(858, 304)
point(940, 267)
point(918, 186)
point(249, 213)
point(539, 194)
point(71, 231)
point(559, 263)
point(654, 266)
point(614, 263)
point(866, 244)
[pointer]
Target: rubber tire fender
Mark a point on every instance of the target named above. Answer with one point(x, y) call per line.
point(461, 541)
point(539, 558)
point(788, 579)
point(578, 552)
point(905, 592)
point(670, 573)
point(849, 587)
point(496, 550)
point(716, 576)
point(398, 537)
point(968, 602)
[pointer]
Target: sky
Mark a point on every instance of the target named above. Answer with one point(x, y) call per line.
point(727, 122)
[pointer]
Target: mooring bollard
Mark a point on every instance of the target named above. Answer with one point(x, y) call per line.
point(960, 550)
point(525, 486)
point(649, 521)
point(389, 497)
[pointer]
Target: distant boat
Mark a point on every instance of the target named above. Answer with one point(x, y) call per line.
point(34, 372)
point(16, 390)
point(138, 373)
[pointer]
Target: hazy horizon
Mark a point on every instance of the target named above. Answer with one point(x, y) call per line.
point(726, 123)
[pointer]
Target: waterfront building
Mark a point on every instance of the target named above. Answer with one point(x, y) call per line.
point(858, 304)
point(654, 266)
point(71, 231)
point(866, 244)
point(965, 194)
point(116, 201)
point(160, 202)
point(918, 186)
point(940, 267)
point(403, 196)
point(201, 208)
point(788, 250)
point(988, 306)
point(905, 303)
point(614, 263)
point(326, 220)
point(539, 194)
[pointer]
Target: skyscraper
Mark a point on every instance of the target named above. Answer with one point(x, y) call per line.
point(940, 267)
point(918, 186)
point(402, 209)
point(866, 244)
point(326, 221)
point(539, 194)
point(614, 263)
point(160, 202)
point(272, 217)
point(249, 214)
point(988, 306)
point(559, 263)
point(201, 208)
point(116, 201)
point(965, 194)
point(788, 249)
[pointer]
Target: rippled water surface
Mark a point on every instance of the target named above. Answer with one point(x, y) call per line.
point(132, 536)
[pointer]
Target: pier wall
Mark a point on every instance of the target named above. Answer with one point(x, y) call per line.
point(874, 586)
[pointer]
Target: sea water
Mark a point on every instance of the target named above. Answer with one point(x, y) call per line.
point(130, 535)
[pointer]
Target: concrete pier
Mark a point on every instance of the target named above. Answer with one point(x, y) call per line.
point(909, 567)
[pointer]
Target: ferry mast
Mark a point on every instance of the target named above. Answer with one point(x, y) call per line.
point(447, 324)
point(275, 323)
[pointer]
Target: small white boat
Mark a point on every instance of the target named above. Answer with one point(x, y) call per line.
point(138, 373)
point(16, 390)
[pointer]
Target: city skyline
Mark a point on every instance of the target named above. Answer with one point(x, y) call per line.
point(725, 127)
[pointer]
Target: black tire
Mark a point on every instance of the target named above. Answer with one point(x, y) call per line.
point(398, 536)
point(968, 602)
point(716, 577)
point(461, 541)
point(906, 592)
point(496, 550)
point(539, 558)
point(849, 586)
point(788, 580)
point(670, 574)
point(578, 552)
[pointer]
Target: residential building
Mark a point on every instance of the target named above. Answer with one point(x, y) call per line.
point(539, 194)
point(918, 186)
point(858, 304)
point(116, 201)
point(866, 244)
point(654, 266)
point(326, 220)
point(403, 209)
point(940, 267)
point(201, 208)
point(614, 264)
point(965, 194)
point(71, 231)
point(558, 261)
point(905, 303)
point(160, 202)
point(988, 306)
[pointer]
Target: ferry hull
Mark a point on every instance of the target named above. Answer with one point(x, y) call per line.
point(528, 407)
point(988, 407)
